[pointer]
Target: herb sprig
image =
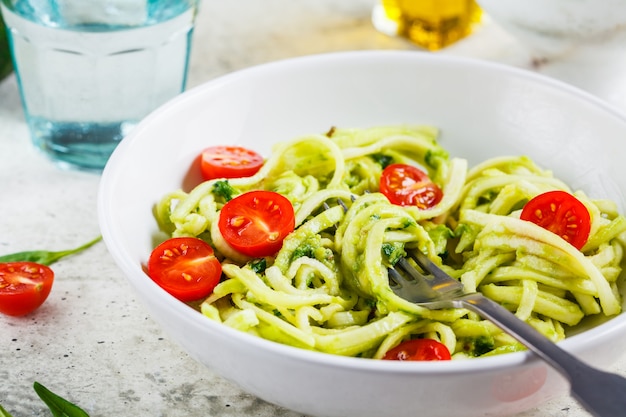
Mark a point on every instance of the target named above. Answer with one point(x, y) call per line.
point(60, 407)
point(45, 257)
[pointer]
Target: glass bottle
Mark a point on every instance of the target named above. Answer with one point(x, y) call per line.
point(431, 24)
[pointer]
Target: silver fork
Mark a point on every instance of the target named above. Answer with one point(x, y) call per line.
point(601, 393)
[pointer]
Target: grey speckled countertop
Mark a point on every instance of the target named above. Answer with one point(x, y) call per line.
point(92, 342)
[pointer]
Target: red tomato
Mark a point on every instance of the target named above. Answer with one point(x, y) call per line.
point(562, 214)
point(185, 267)
point(255, 223)
point(24, 286)
point(406, 185)
point(229, 162)
point(419, 350)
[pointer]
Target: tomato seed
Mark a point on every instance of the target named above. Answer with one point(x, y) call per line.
point(237, 221)
point(272, 208)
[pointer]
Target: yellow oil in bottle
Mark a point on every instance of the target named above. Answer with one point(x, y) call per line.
point(432, 24)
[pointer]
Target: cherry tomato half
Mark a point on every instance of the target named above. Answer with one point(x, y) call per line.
point(406, 185)
point(562, 214)
point(24, 286)
point(229, 162)
point(185, 267)
point(419, 350)
point(255, 223)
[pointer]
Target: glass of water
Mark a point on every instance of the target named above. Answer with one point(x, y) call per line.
point(90, 70)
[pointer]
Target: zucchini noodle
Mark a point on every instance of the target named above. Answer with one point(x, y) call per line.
point(327, 289)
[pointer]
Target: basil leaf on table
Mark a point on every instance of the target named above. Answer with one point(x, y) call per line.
point(59, 407)
point(4, 413)
point(45, 257)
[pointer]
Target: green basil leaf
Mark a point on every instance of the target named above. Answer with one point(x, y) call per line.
point(4, 413)
point(45, 257)
point(60, 407)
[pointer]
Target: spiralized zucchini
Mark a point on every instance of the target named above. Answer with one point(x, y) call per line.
point(327, 288)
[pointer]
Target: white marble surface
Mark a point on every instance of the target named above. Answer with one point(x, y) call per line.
point(91, 341)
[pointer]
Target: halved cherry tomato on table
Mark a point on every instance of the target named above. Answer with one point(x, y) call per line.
point(24, 286)
point(255, 223)
point(406, 185)
point(561, 213)
point(419, 350)
point(229, 162)
point(185, 267)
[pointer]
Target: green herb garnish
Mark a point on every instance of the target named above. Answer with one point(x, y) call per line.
point(393, 251)
point(60, 407)
point(258, 265)
point(223, 189)
point(45, 257)
point(4, 413)
point(383, 160)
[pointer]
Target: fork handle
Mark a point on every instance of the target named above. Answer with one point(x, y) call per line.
point(601, 393)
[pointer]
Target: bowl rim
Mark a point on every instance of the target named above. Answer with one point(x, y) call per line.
point(135, 275)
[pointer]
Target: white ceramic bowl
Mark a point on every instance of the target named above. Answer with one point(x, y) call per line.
point(553, 27)
point(484, 110)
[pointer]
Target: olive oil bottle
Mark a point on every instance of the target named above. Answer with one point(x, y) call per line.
point(431, 24)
